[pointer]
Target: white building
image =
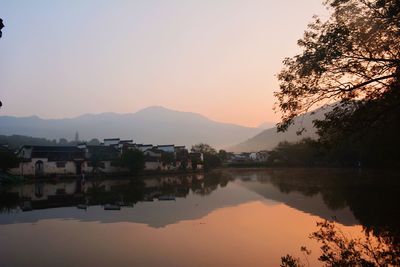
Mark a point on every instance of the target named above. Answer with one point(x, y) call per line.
point(49, 160)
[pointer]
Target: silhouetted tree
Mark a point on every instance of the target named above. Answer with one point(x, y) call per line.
point(354, 55)
point(211, 161)
point(8, 160)
point(167, 158)
point(203, 148)
point(210, 155)
point(338, 249)
point(133, 160)
point(1, 27)
point(223, 155)
point(1, 33)
point(353, 61)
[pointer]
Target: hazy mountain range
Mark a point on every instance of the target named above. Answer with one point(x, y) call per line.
point(155, 125)
point(159, 125)
point(270, 138)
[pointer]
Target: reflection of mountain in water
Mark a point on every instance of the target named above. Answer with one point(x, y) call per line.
point(189, 205)
point(369, 195)
point(313, 205)
point(155, 214)
point(349, 197)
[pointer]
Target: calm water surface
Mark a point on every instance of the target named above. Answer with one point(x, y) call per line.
point(229, 218)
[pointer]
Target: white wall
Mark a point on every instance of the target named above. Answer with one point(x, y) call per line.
point(151, 166)
point(49, 167)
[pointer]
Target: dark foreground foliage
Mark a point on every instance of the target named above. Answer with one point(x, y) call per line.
point(338, 249)
point(351, 61)
point(373, 149)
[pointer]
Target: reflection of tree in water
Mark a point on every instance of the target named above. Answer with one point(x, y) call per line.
point(127, 194)
point(340, 249)
point(8, 201)
point(178, 186)
point(211, 182)
point(372, 197)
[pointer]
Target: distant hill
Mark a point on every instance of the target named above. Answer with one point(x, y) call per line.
point(156, 125)
point(270, 138)
point(266, 125)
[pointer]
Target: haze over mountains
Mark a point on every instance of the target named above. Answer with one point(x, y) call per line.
point(156, 125)
point(270, 138)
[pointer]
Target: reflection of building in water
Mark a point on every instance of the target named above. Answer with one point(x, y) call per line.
point(70, 193)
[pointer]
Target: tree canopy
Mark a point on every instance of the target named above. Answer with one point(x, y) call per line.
point(210, 156)
point(203, 148)
point(352, 60)
point(1, 27)
point(133, 160)
point(1, 33)
point(8, 159)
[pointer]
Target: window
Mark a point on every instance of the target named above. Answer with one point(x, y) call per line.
point(61, 164)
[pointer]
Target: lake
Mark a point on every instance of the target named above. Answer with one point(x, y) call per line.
point(224, 218)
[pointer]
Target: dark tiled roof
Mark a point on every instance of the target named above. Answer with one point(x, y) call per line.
point(126, 141)
point(57, 153)
point(103, 152)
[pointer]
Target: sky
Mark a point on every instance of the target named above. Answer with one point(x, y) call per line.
point(215, 57)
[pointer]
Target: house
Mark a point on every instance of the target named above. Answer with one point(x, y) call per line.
point(263, 155)
point(241, 157)
point(142, 147)
point(260, 156)
point(182, 157)
point(111, 142)
point(123, 143)
point(49, 160)
point(166, 148)
point(103, 158)
point(152, 158)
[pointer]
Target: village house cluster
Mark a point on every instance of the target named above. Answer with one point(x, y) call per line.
point(260, 156)
point(79, 159)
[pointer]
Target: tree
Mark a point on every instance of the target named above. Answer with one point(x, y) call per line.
point(167, 158)
point(182, 155)
point(94, 142)
point(133, 160)
point(211, 161)
point(203, 148)
point(210, 155)
point(339, 249)
point(1, 27)
point(1, 33)
point(352, 59)
point(223, 155)
point(306, 152)
point(8, 160)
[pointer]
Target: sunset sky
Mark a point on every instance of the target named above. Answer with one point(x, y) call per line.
point(215, 57)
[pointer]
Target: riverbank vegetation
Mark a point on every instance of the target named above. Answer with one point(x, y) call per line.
point(372, 151)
